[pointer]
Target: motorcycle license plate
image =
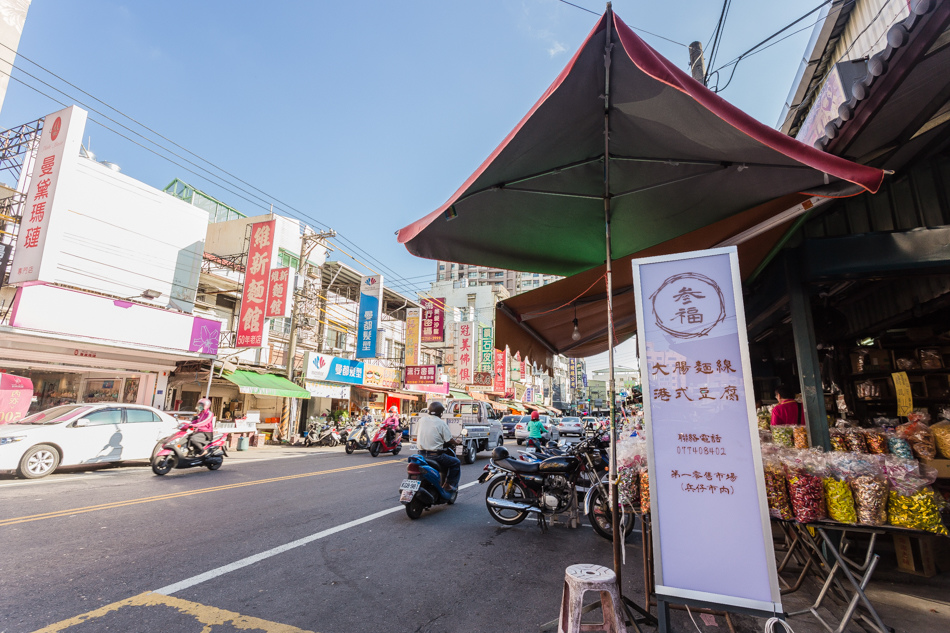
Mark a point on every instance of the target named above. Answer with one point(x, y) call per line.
point(410, 484)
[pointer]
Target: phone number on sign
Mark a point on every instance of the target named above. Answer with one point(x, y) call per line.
point(700, 450)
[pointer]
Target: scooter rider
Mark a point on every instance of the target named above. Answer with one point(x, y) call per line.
point(433, 436)
point(391, 423)
point(203, 425)
point(536, 431)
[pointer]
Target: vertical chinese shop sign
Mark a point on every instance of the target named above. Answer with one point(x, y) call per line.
point(41, 226)
point(711, 531)
point(254, 298)
point(486, 349)
point(413, 330)
point(433, 320)
point(501, 372)
point(465, 351)
point(371, 303)
point(277, 292)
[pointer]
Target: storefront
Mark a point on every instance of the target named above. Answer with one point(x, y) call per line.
point(67, 371)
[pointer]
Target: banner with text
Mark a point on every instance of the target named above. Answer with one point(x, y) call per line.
point(500, 372)
point(465, 351)
point(702, 439)
point(371, 304)
point(486, 349)
point(413, 335)
point(433, 320)
point(41, 225)
point(422, 375)
point(250, 331)
point(277, 304)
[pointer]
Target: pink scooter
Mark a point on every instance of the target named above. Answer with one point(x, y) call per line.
point(176, 451)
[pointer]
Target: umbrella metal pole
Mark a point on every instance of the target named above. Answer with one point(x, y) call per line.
point(614, 497)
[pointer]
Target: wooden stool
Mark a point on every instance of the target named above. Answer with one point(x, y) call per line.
point(579, 579)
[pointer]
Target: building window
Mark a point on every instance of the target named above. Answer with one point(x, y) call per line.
point(441, 266)
point(399, 352)
point(336, 339)
point(472, 275)
point(280, 326)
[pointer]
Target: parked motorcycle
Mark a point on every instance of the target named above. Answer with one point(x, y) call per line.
point(358, 440)
point(550, 486)
point(381, 444)
point(422, 487)
point(175, 451)
point(324, 435)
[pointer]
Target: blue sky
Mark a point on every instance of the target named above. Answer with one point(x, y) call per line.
point(364, 115)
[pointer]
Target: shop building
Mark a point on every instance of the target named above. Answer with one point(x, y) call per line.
point(98, 302)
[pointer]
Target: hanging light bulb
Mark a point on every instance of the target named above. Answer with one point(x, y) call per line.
point(576, 334)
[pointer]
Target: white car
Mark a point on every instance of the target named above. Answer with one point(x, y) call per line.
point(571, 425)
point(550, 429)
point(76, 434)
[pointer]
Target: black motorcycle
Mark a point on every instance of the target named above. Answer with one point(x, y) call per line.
point(547, 487)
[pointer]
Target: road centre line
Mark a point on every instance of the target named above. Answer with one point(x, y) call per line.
point(256, 558)
point(186, 493)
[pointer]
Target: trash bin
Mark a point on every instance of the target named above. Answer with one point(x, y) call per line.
point(243, 443)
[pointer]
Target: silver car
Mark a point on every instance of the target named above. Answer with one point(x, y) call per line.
point(550, 429)
point(571, 426)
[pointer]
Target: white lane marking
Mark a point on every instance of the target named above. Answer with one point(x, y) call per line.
point(256, 558)
point(41, 481)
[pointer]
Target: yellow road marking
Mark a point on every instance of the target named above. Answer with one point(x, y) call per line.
point(208, 616)
point(187, 493)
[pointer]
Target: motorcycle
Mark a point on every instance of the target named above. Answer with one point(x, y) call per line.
point(358, 439)
point(175, 451)
point(422, 487)
point(550, 486)
point(321, 435)
point(381, 445)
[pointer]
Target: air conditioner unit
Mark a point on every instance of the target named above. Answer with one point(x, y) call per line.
point(313, 272)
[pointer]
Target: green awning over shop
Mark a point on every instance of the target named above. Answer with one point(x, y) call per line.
point(459, 395)
point(266, 385)
point(513, 405)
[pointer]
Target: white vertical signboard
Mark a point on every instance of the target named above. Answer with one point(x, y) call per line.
point(41, 226)
point(711, 533)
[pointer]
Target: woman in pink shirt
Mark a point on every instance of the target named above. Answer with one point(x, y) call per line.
point(787, 412)
point(203, 425)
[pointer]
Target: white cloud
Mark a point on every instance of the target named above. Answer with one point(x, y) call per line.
point(556, 49)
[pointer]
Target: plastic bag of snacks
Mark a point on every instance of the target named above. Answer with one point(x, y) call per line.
point(644, 490)
point(775, 487)
point(782, 436)
point(866, 477)
point(838, 497)
point(764, 419)
point(800, 437)
point(898, 446)
point(919, 437)
point(941, 433)
point(876, 441)
point(856, 441)
point(804, 470)
point(912, 503)
point(838, 443)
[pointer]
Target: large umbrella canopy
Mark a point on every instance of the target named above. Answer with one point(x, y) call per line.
point(680, 158)
point(540, 323)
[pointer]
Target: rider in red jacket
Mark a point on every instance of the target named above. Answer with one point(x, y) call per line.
point(391, 423)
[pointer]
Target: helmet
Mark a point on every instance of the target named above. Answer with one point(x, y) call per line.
point(436, 408)
point(205, 402)
point(499, 453)
point(393, 409)
point(534, 415)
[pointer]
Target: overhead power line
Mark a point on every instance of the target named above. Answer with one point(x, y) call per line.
point(214, 179)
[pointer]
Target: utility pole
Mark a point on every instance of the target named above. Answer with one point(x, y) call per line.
point(303, 299)
point(697, 63)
